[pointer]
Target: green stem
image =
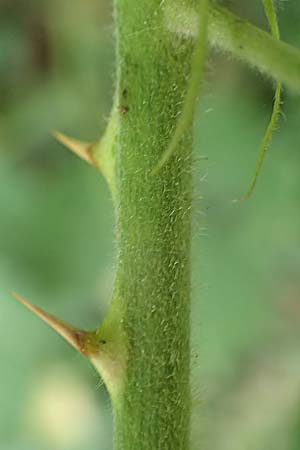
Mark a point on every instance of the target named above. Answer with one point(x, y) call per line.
point(142, 349)
point(197, 74)
point(273, 22)
point(152, 287)
point(255, 46)
point(243, 40)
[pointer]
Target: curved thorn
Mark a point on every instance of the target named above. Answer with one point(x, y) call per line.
point(81, 149)
point(83, 341)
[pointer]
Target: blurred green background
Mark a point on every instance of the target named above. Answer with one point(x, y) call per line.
point(57, 240)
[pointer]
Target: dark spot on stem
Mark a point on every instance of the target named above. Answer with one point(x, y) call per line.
point(80, 338)
point(123, 109)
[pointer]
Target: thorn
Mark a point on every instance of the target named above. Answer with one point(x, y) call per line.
point(83, 341)
point(81, 149)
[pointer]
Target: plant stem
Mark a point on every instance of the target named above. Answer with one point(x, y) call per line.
point(238, 37)
point(255, 46)
point(142, 349)
point(154, 230)
point(270, 12)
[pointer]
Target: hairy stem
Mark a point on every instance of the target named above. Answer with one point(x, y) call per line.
point(154, 229)
point(243, 40)
point(273, 22)
point(195, 84)
point(142, 349)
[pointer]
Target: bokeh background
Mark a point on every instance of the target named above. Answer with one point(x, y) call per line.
point(57, 241)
